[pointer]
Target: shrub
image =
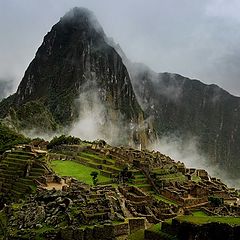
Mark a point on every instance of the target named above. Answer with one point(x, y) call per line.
point(56, 141)
point(9, 138)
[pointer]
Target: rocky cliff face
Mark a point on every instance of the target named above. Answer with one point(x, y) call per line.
point(182, 106)
point(75, 59)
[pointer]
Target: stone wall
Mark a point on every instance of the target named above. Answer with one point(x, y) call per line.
point(134, 194)
point(136, 224)
point(121, 229)
point(103, 232)
point(194, 201)
point(171, 194)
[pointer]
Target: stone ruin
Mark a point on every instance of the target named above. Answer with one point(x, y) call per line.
point(107, 212)
point(175, 181)
point(76, 212)
point(140, 204)
point(21, 169)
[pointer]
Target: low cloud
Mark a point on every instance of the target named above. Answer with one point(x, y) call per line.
point(91, 116)
point(36, 133)
point(96, 120)
point(6, 88)
point(186, 150)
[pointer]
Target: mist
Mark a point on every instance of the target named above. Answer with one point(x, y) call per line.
point(91, 116)
point(36, 133)
point(95, 120)
point(6, 88)
point(187, 151)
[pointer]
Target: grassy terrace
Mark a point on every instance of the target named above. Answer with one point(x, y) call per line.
point(196, 179)
point(207, 219)
point(94, 156)
point(163, 199)
point(199, 214)
point(138, 235)
point(15, 164)
point(156, 228)
point(79, 171)
point(173, 176)
point(160, 235)
point(160, 171)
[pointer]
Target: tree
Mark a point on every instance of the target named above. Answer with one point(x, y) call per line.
point(94, 175)
point(126, 175)
point(69, 140)
point(215, 201)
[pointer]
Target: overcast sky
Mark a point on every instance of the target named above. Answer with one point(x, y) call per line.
point(196, 38)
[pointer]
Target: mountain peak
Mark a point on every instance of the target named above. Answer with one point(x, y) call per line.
point(78, 14)
point(82, 17)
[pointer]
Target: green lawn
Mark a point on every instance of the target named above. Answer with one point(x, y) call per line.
point(208, 219)
point(199, 214)
point(76, 170)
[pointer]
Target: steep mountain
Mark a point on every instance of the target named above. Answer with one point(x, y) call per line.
point(186, 107)
point(75, 64)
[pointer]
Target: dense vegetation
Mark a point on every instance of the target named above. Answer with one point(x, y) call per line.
point(9, 138)
point(56, 141)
